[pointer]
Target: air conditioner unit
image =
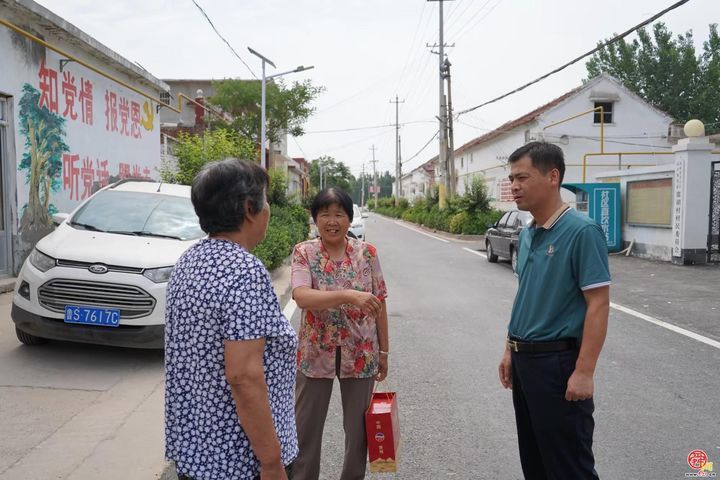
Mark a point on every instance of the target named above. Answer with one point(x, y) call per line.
point(534, 136)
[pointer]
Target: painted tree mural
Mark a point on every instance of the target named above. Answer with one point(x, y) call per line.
point(44, 133)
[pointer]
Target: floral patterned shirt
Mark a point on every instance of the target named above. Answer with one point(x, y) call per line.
point(346, 327)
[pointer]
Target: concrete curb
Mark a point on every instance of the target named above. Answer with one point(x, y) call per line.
point(281, 282)
point(7, 284)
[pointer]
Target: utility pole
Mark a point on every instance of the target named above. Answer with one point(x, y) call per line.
point(442, 136)
point(320, 166)
point(375, 188)
point(397, 149)
point(362, 188)
point(451, 141)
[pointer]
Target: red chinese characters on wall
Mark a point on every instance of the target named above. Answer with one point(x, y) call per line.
point(86, 101)
point(101, 172)
point(82, 178)
point(48, 88)
point(71, 94)
point(128, 113)
point(71, 175)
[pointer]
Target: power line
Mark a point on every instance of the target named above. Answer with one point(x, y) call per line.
point(354, 129)
point(223, 39)
point(577, 59)
point(423, 148)
point(460, 35)
point(469, 21)
point(298, 145)
point(453, 19)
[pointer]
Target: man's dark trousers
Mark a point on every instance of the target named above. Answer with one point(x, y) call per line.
point(554, 435)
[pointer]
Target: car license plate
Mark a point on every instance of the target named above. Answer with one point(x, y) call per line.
point(103, 317)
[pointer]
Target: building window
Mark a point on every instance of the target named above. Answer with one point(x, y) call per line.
point(3, 110)
point(607, 112)
point(165, 98)
point(649, 202)
point(461, 161)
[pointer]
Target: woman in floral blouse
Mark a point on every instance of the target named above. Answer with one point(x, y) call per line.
point(338, 283)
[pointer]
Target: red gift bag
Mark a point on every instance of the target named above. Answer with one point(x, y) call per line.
point(382, 425)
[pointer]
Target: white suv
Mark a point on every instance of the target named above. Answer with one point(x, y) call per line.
point(101, 276)
point(357, 228)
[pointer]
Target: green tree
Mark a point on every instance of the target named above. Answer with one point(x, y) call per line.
point(44, 133)
point(194, 151)
point(667, 72)
point(277, 193)
point(476, 197)
point(356, 188)
point(386, 183)
point(335, 174)
point(287, 108)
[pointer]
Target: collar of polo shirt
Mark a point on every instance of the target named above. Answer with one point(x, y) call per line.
point(550, 223)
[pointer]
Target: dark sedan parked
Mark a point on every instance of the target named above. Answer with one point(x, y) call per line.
point(501, 239)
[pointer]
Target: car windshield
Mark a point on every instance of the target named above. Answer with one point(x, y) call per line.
point(139, 213)
point(525, 218)
point(357, 215)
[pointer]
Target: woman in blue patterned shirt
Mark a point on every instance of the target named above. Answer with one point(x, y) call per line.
point(229, 351)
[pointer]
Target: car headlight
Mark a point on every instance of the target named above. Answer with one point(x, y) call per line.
point(41, 261)
point(356, 225)
point(158, 275)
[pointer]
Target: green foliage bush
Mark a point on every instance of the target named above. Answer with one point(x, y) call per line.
point(277, 192)
point(469, 214)
point(288, 226)
point(194, 151)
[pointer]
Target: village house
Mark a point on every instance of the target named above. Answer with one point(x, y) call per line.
point(74, 117)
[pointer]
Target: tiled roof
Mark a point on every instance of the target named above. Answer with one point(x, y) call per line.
point(527, 118)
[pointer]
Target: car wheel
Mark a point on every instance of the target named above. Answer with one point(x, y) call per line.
point(28, 339)
point(514, 259)
point(491, 257)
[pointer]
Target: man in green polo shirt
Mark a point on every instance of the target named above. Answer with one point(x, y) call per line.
point(558, 322)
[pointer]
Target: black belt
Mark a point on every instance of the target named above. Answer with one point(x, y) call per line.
point(519, 346)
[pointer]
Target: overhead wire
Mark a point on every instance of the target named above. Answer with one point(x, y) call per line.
point(600, 46)
point(469, 20)
point(223, 39)
point(422, 149)
point(464, 32)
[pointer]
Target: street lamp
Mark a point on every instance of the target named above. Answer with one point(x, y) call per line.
point(263, 126)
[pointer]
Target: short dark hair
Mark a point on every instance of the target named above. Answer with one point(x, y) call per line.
point(221, 190)
point(544, 156)
point(332, 196)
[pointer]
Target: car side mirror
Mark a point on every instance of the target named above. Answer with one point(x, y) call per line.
point(491, 225)
point(59, 218)
point(364, 215)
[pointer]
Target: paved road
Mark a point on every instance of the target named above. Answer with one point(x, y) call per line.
point(78, 412)
point(656, 390)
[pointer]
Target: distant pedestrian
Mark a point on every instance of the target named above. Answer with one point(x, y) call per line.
point(558, 322)
point(229, 351)
point(338, 283)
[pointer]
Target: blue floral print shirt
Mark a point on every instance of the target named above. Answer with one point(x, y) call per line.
point(218, 291)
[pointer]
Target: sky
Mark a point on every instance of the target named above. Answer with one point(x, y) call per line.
point(367, 52)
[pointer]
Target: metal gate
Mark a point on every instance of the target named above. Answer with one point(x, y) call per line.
point(714, 230)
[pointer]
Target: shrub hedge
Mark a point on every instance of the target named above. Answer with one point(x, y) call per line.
point(453, 219)
point(288, 226)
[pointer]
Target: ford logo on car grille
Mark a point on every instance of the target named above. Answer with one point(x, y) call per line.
point(98, 268)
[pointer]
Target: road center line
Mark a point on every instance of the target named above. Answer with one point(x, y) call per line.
point(289, 309)
point(669, 326)
point(475, 252)
point(421, 232)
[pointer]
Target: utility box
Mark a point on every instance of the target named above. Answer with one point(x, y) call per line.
point(601, 202)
